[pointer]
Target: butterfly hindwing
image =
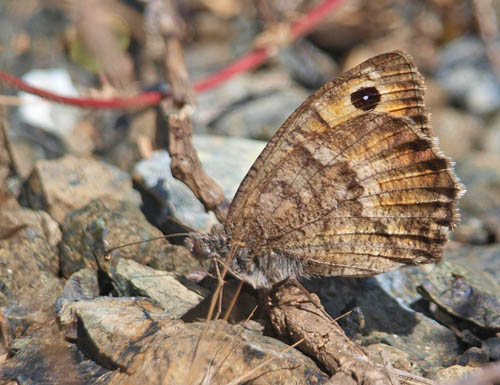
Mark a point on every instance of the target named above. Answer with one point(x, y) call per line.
point(351, 184)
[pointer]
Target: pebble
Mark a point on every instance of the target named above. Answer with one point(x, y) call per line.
point(154, 174)
point(63, 185)
point(492, 346)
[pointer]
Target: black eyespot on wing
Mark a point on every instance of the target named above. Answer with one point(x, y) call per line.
point(366, 99)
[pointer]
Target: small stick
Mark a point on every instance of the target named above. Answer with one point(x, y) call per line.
point(246, 375)
point(233, 346)
point(488, 28)
point(233, 301)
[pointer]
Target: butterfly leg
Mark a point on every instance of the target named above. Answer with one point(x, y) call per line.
point(313, 298)
point(220, 283)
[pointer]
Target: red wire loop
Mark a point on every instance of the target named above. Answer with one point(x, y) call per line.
point(253, 59)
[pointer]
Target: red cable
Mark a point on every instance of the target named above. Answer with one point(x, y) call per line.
point(254, 58)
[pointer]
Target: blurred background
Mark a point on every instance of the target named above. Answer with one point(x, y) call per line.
point(67, 161)
point(111, 48)
point(115, 48)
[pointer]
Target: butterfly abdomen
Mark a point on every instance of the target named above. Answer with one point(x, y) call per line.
point(260, 268)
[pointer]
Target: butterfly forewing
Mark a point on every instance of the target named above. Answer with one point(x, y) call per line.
point(351, 184)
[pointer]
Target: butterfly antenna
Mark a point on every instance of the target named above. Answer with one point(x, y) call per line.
point(109, 251)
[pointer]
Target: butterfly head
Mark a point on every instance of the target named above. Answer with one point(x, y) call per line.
point(207, 248)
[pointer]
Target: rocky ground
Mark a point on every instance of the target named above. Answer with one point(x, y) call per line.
point(77, 183)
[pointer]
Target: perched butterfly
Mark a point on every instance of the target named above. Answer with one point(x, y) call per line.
point(352, 184)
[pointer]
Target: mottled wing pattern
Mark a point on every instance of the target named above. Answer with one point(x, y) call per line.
point(352, 184)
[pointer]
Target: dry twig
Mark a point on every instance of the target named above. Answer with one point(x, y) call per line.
point(293, 315)
point(162, 19)
point(94, 21)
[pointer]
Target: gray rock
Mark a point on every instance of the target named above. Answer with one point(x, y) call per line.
point(29, 264)
point(473, 231)
point(260, 116)
point(492, 346)
point(454, 373)
point(464, 71)
point(464, 283)
point(57, 118)
point(214, 152)
point(473, 357)
point(385, 318)
point(491, 138)
point(464, 292)
point(81, 285)
point(205, 57)
point(149, 348)
point(121, 151)
point(401, 284)
point(62, 185)
point(29, 260)
point(483, 259)
point(133, 279)
point(307, 64)
point(176, 259)
point(250, 105)
point(44, 357)
point(480, 174)
point(88, 234)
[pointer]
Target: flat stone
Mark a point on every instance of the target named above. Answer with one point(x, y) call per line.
point(133, 279)
point(147, 347)
point(454, 373)
point(399, 359)
point(63, 185)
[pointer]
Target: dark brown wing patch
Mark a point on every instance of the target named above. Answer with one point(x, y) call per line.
point(366, 99)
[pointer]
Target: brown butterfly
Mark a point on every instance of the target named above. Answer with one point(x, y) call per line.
point(352, 184)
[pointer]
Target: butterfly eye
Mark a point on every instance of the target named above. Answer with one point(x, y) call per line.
point(366, 98)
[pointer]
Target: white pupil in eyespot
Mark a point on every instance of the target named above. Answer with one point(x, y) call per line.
point(365, 97)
